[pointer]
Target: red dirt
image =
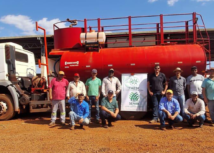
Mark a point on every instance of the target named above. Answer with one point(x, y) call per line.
point(32, 134)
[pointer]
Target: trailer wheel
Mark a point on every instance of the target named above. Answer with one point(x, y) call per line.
point(128, 115)
point(6, 107)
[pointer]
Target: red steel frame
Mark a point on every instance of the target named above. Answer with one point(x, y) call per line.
point(158, 27)
point(46, 50)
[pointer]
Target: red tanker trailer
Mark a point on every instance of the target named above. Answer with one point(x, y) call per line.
point(131, 48)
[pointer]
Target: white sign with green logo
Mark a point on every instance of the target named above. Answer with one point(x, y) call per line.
point(134, 92)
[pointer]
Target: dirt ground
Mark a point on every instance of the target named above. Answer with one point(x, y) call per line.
point(31, 133)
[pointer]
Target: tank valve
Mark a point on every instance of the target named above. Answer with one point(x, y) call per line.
point(73, 22)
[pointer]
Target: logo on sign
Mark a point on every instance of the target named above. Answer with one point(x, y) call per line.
point(134, 96)
point(132, 83)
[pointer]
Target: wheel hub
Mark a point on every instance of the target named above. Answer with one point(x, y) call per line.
point(3, 108)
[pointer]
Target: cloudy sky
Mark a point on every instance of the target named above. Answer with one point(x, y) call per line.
point(17, 17)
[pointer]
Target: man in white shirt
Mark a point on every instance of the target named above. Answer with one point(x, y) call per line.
point(111, 83)
point(75, 87)
point(194, 82)
point(194, 110)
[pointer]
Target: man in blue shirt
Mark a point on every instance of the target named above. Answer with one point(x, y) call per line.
point(169, 108)
point(79, 111)
point(208, 93)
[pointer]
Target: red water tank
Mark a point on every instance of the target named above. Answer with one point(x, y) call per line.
point(133, 60)
point(67, 38)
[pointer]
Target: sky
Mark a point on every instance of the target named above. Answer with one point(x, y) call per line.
point(18, 17)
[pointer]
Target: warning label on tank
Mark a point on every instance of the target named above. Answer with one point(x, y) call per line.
point(76, 63)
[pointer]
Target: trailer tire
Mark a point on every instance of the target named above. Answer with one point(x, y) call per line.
point(6, 99)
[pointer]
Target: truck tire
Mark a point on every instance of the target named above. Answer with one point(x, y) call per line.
point(128, 115)
point(6, 100)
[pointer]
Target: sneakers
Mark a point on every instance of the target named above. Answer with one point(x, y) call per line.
point(110, 125)
point(105, 126)
point(51, 123)
point(81, 126)
point(72, 127)
point(163, 128)
point(200, 125)
point(153, 121)
point(171, 127)
point(63, 123)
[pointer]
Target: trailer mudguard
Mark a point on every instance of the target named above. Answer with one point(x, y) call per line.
point(13, 93)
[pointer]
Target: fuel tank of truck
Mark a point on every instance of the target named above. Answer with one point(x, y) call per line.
point(133, 60)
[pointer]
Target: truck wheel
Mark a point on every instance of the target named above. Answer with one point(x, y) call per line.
point(6, 107)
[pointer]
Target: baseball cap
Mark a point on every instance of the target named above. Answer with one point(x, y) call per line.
point(194, 67)
point(76, 74)
point(111, 70)
point(169, 91)
point(110, 92)
point(94, 71)
point(61, 73)
point(194, 93)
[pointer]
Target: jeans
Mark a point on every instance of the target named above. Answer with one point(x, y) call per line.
point(55, 105)
point(163, 116)
point(211, 109)
point(181, 100)
point(104, 115)
point(96, 103)
point(200, 118)
point(155, 101)
point(74, 117)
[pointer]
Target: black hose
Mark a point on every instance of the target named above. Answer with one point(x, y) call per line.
point(55, 65)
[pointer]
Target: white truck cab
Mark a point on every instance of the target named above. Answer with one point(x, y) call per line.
point(17, 68)
point(24, 62)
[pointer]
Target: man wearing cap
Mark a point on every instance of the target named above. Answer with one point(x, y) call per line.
point(208, 93)
point(169, 108)
point(79, 111)
point(75, 87)
point(93, 87)
point(178, 84)
point(111, 83)
point(194, 82)
point(109, 109)
point(57, 92)
point(194, 110)
point(157, 85)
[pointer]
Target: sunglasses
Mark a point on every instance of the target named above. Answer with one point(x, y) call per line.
point(157, 68)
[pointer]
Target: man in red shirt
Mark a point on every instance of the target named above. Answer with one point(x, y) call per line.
point(57, 90)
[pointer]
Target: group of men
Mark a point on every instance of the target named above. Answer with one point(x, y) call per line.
point(82, 96)
point(168, 98)
point(174, 107)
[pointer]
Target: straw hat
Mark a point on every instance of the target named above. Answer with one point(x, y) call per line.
point(178, 69)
